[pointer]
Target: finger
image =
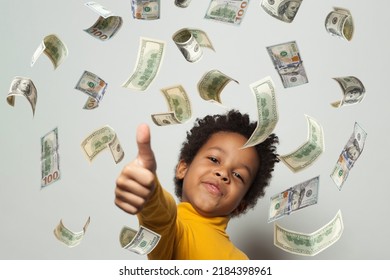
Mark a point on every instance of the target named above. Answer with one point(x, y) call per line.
point(129, 198)
point(145, 152)
point(125, 185)
point(137, 173)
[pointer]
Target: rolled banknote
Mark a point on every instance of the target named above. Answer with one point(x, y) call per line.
point(99, 9)
point(309, 244)
point(228, 11)
point(351, 152)
point(105, 28)
point(54, 48)
point(284, 10)
point(353, 91)
point(178, 104)
point(211, 85)
point(309, 151)
point(288, 63)
point(190, 41)
point(141, 242)
point(293, 199)
point(21, 86)
point(339, 23)
point(50, 159)
point(101, 139)
point(145, 9)
point(93, 86)
point(267, 111)
point(149, 60)
point(68, 237)
point(182, 3)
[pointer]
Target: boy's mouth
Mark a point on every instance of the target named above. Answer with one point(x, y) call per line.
point(212, 188)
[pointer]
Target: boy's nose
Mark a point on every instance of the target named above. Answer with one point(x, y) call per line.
point(222, 175)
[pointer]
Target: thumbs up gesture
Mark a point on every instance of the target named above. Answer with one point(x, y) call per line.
point(136, 182)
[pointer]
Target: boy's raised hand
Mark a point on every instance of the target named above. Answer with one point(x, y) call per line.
point(136, 182)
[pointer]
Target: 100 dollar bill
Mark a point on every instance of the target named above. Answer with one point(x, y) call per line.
point(22, 86)
point(54, 48)
point(228, 11)
point(101, 139)
point(309, 244)
point(150, 56)
point(264, 91)
point(141, 242)
point(50, 159)
point(68, 237)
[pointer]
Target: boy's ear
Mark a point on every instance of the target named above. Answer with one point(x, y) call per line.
point(181, 169)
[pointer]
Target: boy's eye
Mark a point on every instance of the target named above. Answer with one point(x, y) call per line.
point(213, 159)
point(235, 174)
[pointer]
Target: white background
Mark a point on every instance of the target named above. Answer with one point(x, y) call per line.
point(29, 214)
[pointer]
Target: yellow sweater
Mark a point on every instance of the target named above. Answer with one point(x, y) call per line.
point(186, 235)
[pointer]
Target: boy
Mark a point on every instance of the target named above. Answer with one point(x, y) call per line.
point(215, 180)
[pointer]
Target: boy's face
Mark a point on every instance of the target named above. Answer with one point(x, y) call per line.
point(219, 175)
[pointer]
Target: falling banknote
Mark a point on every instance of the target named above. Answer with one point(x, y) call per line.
point(101, 139)
point(22, 86)
point(68, 237)
point(306, 154)
point(149, 59)
point(190, 41)
point(50, 159)
point(267, 111)
point(309, 244)
point(339, 23)
point(227, 11)
point(54, 48)
point(294, 199)
point(105, 28)
point(182, 3)
point(282, 9)
point(94, 87)
point(211, 85)
point(353, 91)
point(100, 9)
point(351, 152)
point(288, 63)
point(141, 242)
point(179, 107)
point(145, 9)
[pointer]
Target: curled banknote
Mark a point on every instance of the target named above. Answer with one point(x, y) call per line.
point(178, 104)
point(211, 85)
point(101, 139)
point(287, 61)
point(267, 111)
point(21, 86)
point(68, 237)
point(146, 9)
point(105, 28)
point(149, 60)
point(351, 152)
point(94, 87)
point(293, 199)
point(50, 159)
point(141, 242)
point(182, 3)
point(54, 48)
point(284, 10)
point(190, 43)
point(99, 9)
point(309, 151)
point(309, 244)
point(353, 91)
point(228, 11)
point(339, 23)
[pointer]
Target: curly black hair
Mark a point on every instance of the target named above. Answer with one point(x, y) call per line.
point(232, 121)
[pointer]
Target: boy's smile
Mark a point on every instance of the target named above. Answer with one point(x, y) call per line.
point(220, 174)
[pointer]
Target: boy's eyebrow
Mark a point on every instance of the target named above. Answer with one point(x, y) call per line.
point(223, 151)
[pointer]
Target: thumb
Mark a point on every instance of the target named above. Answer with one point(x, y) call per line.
point(145, 156)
